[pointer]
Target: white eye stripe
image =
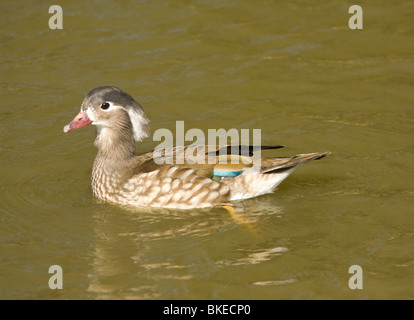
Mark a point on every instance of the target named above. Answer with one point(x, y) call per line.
point(113, 106)
point(139, 124)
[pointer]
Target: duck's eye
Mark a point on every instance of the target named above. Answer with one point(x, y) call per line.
point(105, 106)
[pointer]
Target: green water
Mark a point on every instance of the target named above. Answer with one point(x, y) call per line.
point(290, 68)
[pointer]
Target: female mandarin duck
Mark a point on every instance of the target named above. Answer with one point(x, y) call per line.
point(122, 177)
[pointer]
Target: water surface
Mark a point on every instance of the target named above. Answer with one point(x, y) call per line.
point(290, 68)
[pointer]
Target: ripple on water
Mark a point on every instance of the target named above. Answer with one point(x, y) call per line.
point(254, 257)
point(27, 188)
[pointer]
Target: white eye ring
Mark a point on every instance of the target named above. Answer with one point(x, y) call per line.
point(105, 105)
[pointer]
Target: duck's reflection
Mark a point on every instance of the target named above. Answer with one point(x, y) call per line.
point(146, 253)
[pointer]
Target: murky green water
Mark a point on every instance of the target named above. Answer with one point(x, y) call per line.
point(290, 68)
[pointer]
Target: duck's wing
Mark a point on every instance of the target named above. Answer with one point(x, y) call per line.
point(245, 150)
point(207, 161)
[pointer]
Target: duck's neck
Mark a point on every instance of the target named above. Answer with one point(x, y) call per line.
point(115, 145)
point(112, 163)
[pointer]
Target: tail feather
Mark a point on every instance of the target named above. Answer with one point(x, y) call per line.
point(273, 172)
point(277, 165)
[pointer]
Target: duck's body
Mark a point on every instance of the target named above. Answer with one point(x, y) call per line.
point(122, 177)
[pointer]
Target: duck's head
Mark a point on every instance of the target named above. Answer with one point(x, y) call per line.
point(111, 109)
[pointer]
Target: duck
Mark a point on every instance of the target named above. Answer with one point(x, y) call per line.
point(123, 177)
